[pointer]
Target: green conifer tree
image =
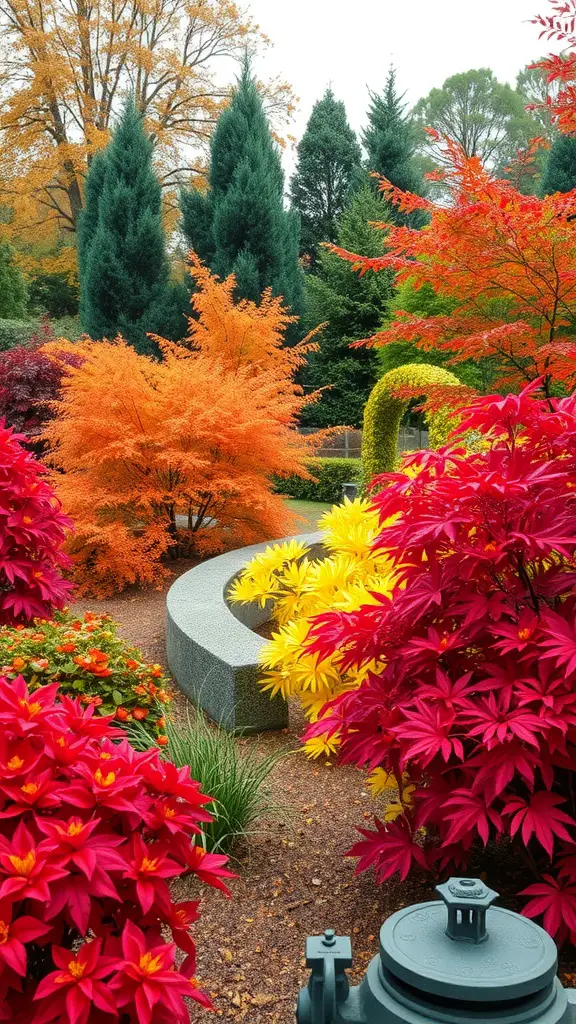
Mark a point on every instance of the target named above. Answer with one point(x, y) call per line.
point(240, 225)
point(88, 220)
point(353, 307)
point(329, 162)
point(391, 142)
point(560, 172)
point(124, 272)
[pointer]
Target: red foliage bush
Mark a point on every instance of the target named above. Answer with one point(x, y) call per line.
point(476, 704)
point(29, 382)
point(32, 530)
point(90, 833)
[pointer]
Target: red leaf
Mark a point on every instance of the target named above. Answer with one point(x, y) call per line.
point(539, 817)
point(555, 901)
point(390, 848)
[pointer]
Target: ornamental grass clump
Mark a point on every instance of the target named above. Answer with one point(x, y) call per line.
point(91, 833)
point(32, 533)
point(237, 778)
point(467, 707)
point(85, 655)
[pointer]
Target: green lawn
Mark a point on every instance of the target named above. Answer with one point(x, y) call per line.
point(308, 510)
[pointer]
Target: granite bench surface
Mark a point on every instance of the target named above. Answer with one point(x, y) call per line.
point(212, 649)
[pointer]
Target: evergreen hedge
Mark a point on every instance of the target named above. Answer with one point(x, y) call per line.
point(330, 475)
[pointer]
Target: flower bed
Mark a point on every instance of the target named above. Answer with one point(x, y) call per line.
point(90, 661)
point(90, 833)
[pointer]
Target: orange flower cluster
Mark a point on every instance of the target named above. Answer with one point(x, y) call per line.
point(91, 662)
point(94, 661)
point(198, 435)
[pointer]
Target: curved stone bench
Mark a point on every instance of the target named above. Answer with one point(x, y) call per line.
point(213, 651)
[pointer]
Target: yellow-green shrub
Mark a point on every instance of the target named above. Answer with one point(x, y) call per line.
point(385, 409)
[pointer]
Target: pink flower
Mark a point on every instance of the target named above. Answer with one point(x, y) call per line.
point(77, 985)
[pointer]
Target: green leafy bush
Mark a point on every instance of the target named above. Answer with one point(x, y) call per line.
point(89, 660)
point(235, 776)
point(55, 294)
point(330, 475)
point(66, 327)
point(13, 290)
point(16, 332)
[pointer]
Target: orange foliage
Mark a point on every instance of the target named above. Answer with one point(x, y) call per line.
point(240, 334)
point(198, 434)
point(507, 260)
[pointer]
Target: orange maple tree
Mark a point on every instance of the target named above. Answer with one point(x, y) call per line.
point(507, 261)
point(560, 25)
point(150, 455)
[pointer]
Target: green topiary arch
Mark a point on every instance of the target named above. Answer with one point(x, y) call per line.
point(384, 411)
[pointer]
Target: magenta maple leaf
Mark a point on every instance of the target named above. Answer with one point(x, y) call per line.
point(468, 813)
point(539, 816)
point(389, 848)
point(496, 722)
point(560, 639)
point(515, 636)
point(555, 901)
point(425, 734)
point(495, 769)
point(451, 694)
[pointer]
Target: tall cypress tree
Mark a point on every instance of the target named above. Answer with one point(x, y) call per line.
point(560, 172)
point(240, 225)
point(352, 307)
point(391, 142)
point(124, 271)
point(88, 221)
point(329, 162)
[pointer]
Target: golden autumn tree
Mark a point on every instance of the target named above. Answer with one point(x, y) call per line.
point(66, 66)
point(138, 443)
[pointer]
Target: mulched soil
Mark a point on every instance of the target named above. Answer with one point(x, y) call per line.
point(293, 880)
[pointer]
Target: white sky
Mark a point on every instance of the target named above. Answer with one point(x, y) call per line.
point(349, 45)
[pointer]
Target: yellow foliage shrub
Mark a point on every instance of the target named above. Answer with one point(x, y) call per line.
point(299, 585)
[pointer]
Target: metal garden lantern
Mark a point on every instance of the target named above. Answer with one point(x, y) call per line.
point(350, 490)
point(476, 963)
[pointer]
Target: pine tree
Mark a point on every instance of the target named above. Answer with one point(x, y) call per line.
point(240, 225)
point(329, 161)
point(124, 272)
point(560, 172)
point(391, 142)
point(353, 307)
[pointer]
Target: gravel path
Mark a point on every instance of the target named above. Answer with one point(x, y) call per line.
point(293, 879)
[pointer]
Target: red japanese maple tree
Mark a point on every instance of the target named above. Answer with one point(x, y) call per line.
point(506, 261)
point(476, 705)
point(32, 533)
point(30, 384)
